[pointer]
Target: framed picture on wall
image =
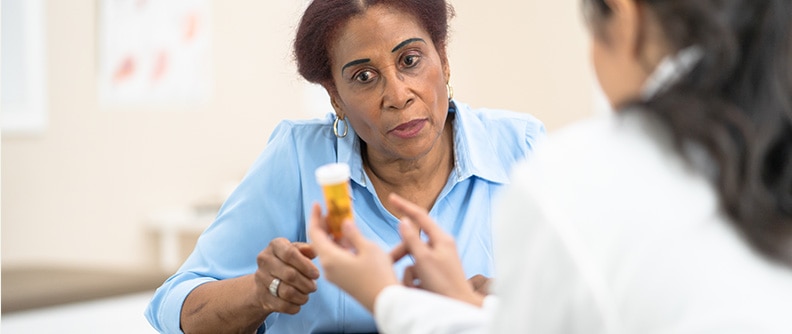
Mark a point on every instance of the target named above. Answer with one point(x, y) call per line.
point(23, 89)
point(154, 52)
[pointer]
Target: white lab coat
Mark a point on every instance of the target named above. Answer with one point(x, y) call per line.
point(607, 230)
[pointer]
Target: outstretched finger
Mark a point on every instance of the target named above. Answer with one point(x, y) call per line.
point(321, 242)
point(351, 236)
point(412, 239)
point(417, 214)
point(398, 252)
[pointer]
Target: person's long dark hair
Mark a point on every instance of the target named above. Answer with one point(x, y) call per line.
point(736, 103)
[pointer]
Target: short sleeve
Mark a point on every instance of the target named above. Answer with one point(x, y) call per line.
point(266, 204)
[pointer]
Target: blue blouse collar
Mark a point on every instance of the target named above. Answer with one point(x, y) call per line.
point(475, 153)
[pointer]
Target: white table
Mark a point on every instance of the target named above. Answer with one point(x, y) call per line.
point(170, 226)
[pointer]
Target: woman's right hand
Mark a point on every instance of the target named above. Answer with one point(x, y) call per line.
point(291, 263)
point(241, 304)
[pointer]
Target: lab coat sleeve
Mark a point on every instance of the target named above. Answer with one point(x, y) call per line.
point(399, 309)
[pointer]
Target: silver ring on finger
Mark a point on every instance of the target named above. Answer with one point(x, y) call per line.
point(273, 287)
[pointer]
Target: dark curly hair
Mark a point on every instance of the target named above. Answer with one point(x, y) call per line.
point(323, 18)
point(736, 103)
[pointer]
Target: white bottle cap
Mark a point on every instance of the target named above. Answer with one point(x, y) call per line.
point(333, 173)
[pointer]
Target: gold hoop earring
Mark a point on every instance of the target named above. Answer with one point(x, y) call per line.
point(450, 91)
point(335, 127)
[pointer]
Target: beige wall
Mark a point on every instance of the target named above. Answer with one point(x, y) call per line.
point(80, 193)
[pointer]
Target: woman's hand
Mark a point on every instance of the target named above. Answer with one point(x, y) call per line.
point(480, 284)
point(360, 267)
point(437, 266)
point(290, 262)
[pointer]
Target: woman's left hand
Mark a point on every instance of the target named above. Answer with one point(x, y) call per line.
point(363, 270)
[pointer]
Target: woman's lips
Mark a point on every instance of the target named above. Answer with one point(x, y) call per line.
point(409, 129)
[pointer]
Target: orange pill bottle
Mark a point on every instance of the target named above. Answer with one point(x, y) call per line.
point(334, 180)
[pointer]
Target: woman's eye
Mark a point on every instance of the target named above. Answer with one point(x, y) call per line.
point(364, 76)
point(410, 60)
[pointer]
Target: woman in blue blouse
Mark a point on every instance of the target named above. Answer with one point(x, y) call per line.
point(396, 125)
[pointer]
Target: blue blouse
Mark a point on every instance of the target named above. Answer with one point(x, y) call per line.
point(275, 197)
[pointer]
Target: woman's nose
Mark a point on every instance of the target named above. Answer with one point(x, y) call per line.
point(397, 93)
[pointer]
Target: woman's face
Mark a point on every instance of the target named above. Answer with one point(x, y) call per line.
point(390, 83)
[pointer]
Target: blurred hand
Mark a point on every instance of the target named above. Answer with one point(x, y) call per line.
point(359, 267)
point(291, 263)
point(437, 266)
point(480, 284)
